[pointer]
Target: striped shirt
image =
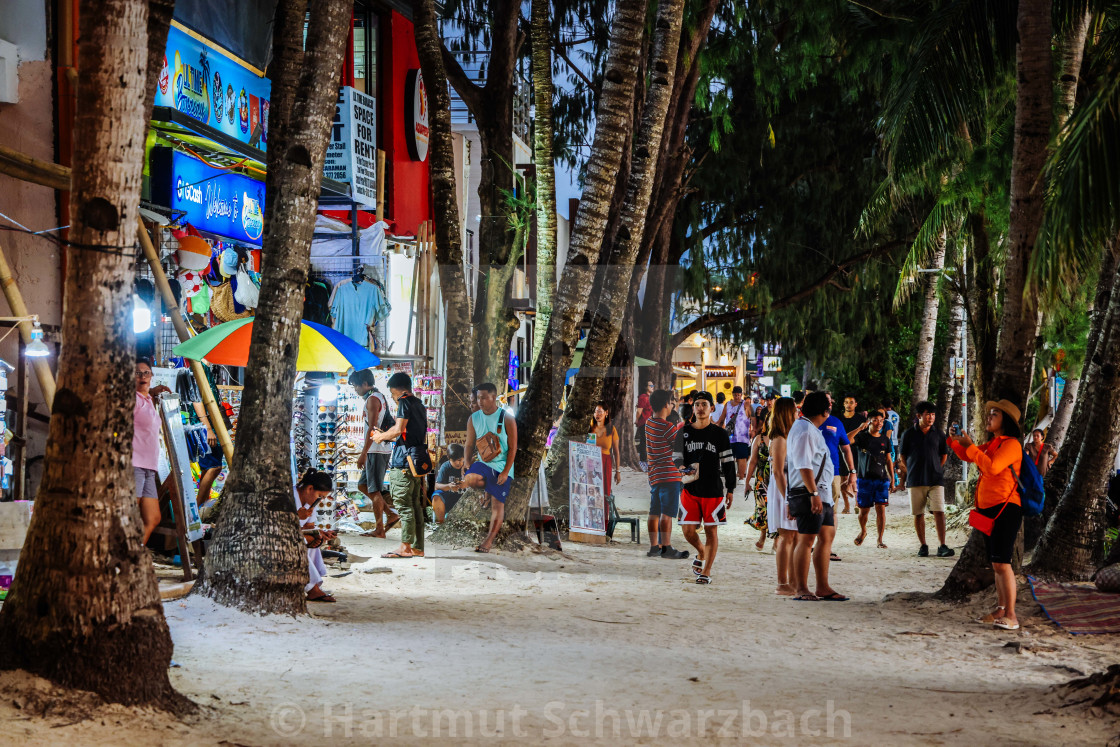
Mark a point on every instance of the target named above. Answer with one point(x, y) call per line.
point(664, 451)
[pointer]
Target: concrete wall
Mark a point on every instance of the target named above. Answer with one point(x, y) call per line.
point(28, 127)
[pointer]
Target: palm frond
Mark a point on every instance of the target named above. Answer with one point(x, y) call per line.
point(1083, 188)
point(964, 50)
point(943, 221)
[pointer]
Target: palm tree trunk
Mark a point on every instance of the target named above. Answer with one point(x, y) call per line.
point(947, 388)
point(1058, 477)
point(257, 561)
point(613, 122)
point(84, 610)
point(607, 321)
point(1063, 414)
point(1072, 543)
point(546, 169)
point(1018, 333)
point(928, 334)
point(449, 249)
point(1071, 51)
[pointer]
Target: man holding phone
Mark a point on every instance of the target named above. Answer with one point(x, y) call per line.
point(921, 461)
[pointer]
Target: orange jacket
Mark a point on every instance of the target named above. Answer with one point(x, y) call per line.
point(997, 483)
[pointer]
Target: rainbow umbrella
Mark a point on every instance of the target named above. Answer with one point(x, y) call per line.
point(320, 348)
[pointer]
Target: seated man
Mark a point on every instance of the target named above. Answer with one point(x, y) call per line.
point(494, 428)
point(448, 483)
point(313, 487)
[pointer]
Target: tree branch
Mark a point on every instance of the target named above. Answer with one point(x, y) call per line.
point(564, 56)
point(704, 321)
point(469, 91)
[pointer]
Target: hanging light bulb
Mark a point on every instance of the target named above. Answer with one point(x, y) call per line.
point(141, 315)
point(36, 348)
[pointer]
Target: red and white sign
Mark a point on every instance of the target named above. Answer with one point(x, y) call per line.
point(416, 109)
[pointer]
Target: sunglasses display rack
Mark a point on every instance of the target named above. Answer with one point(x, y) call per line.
point(428, 386)
point(349, 437)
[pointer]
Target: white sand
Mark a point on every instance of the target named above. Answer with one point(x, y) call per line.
point(537, 649)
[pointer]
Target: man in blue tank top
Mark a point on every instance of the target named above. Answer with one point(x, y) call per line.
point(495, 476)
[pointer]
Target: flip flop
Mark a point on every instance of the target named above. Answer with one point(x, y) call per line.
point(859, 540)
point(479, 549)
point(834, 558)
point(806, 598)
point(390, 524)
point(1004, 624)
point(833, 597)
point(395, 555)
point(324, 598)
point(882, 546)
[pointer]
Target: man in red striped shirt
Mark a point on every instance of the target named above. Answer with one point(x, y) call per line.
point(663, 449)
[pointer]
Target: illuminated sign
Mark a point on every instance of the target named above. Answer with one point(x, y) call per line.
point(416, 109)
point(216, 201)
point(771, 364)
point(205, 83)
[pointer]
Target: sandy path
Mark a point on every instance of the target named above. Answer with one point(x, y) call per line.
point(610, 645)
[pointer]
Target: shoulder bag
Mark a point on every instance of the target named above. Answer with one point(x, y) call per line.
point(489, 445)
point(799, 500)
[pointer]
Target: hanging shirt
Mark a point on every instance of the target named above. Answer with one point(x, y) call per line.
point(353, 308)
point(145, 436)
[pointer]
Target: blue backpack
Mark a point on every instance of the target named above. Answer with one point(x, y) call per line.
point(1031, 492)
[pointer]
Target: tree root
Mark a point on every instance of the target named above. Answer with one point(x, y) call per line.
point(467, 524)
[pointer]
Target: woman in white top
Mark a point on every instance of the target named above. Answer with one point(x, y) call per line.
point(313, 487)
point(782, 418)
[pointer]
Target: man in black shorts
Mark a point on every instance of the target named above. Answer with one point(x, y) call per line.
point(709, 469)
point(810, 468)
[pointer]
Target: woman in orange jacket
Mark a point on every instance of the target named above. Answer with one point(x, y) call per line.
point(997, 497)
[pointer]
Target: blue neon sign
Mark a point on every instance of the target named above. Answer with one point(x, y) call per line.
point(220, 202)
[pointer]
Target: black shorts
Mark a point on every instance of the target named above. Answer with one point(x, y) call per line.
point(811, 523)
point(1001, 542)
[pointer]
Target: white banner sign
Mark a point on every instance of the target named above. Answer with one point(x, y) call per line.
point(352, 152)
point(586, 503)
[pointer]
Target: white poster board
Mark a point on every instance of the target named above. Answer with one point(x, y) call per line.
point(352, 151)
point(174, 459)
point(787, 390)
point(587, 506)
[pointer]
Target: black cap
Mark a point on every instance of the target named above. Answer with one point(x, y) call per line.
point(703, 396)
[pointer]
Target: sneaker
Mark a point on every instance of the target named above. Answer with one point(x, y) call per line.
point(672, 553)
point(923, 552)
point(945, 552)
point(654, 552)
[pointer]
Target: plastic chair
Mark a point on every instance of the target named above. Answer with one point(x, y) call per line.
point(614, 519)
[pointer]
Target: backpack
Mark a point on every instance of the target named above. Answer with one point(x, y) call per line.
point(1031, 492)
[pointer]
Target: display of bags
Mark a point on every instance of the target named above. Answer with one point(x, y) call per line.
point(221, 304)
point(247, 293)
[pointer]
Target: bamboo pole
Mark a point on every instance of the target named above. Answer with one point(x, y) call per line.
point(29, 169)
point(380, 211)
point(15, 302)
point(184, 331)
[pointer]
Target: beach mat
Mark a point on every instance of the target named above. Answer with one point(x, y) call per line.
point(1078, 608)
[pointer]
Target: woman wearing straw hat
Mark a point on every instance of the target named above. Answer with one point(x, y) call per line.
point(997, 499)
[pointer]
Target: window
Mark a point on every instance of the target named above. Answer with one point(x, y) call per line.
point(366, 28)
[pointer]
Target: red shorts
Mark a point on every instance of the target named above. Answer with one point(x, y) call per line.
point(711, 512)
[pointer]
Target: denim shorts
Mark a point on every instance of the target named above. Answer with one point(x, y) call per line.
point(664, 499)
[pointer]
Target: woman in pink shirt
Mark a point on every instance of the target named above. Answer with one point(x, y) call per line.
point(145, 446)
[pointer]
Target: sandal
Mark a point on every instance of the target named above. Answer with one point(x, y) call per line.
point(390, 523)
point(395, 555)
point(882, 546)
point(859, 539)
point(698, 566)
point(479, 548)
point(1004, 624)
point(703, 580)
point(834, 558)
point(324, 598)
point(990, 618)
point(806, 598)
point(833, 597)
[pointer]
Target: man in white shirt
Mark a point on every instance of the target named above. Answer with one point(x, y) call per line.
point(810, 468)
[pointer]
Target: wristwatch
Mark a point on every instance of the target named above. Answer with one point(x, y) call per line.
point(815, 492)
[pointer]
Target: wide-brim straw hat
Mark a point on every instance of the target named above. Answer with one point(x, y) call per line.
point(1004, 406)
